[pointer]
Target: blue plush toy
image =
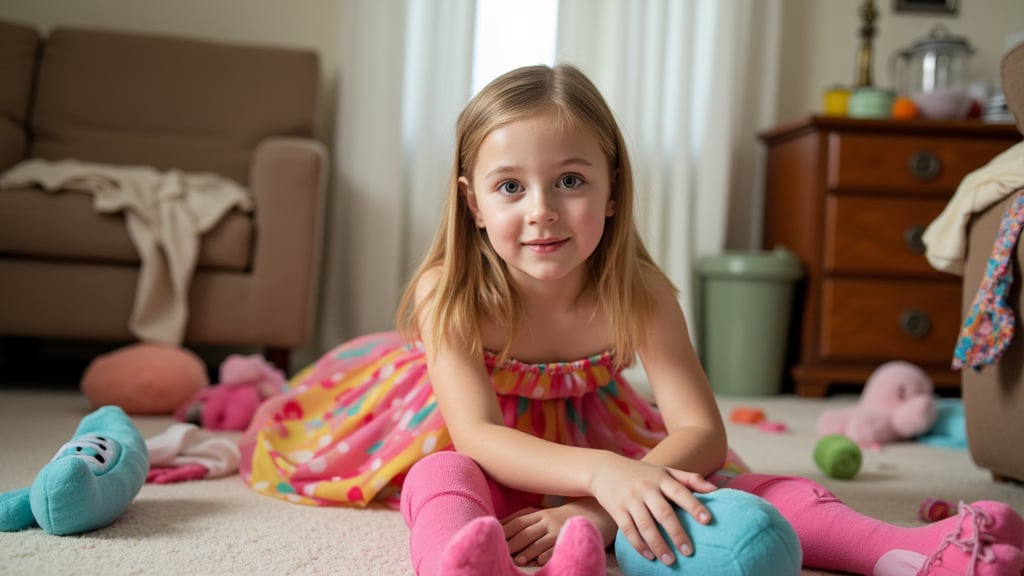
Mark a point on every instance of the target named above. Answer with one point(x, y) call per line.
point(746, 537)
point(88, 484)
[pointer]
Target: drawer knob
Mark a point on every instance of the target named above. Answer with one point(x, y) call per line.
point(915, 323)
point(913, 237)
point(924, 165)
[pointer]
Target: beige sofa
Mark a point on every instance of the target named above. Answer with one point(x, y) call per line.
point(243, 112)
point(994, 396)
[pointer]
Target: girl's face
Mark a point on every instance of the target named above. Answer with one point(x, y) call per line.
point(542, 193)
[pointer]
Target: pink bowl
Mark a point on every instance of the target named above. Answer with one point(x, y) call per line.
point(943, 103)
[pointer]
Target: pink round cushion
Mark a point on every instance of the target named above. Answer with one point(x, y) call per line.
point(144, 378)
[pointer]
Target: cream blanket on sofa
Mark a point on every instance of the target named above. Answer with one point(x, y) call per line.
point(166, 214)
point(945, 238)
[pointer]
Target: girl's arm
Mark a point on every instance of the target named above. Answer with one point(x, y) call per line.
point(637, 495)
point(473, 417)
point(696, 434)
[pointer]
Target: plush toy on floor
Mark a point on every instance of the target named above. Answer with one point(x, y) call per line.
point(88, 484)
point(746, 537)
point(897, 403)
point(245, 382)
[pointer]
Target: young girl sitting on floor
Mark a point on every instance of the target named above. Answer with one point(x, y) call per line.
point(503, 419)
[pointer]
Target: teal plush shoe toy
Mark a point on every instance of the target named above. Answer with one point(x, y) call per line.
point(88, 484)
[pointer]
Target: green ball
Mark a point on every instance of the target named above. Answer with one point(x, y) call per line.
point(838, 456)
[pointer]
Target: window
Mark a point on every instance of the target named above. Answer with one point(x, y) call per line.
point(510, 34)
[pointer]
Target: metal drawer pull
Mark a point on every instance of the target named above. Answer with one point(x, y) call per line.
point(924, 165)
point(913, 237)
point(915, 323)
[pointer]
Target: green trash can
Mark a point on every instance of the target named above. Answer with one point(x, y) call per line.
point(746, 302)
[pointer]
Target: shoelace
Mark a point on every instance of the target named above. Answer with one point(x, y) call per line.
point(976, 545)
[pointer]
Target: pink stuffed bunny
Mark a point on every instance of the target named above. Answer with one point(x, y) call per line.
point(245, 381)
point(897, 403)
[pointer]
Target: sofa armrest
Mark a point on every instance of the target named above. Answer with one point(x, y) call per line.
point(288, 178)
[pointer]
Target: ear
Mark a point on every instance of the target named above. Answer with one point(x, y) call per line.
point(467, 193)
point(609, 210)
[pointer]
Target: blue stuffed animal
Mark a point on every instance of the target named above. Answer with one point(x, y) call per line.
point(746, 537)
point(88, 484)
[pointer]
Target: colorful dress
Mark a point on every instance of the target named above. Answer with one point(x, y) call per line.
point(352, 424)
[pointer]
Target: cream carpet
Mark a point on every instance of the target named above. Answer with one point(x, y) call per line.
point(219, 527)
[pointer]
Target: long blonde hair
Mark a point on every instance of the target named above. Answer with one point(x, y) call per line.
point(474, 280)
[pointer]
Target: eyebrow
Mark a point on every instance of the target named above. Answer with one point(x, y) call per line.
point(567, 162)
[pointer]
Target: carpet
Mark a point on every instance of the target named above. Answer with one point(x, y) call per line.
point(221, 527)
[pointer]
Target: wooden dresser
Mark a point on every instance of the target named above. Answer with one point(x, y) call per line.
point(851, 198)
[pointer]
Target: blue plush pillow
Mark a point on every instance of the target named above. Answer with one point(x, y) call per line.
point(746, 537)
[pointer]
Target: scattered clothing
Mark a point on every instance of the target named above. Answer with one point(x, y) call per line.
point(950, 428)
point(989, 327)
point(166, 214)
point(184, 452)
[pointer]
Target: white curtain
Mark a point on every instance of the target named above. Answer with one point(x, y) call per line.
point(404, 74)
point(690, 81)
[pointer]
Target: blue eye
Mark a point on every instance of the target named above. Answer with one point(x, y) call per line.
point(510, 187)
point(570, 181)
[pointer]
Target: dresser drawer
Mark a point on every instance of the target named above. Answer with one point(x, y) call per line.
point(915, 164)
point(886, 320)
point(873, 234)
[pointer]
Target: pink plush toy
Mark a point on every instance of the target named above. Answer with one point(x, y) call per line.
point(897, 403)
point(245, 381)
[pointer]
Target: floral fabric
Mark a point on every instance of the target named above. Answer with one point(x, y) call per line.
point(352, 424)
point(989, 327)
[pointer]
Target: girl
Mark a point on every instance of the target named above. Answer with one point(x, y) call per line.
point(507, 390)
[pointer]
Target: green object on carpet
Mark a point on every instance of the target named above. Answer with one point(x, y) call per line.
point(838, 456)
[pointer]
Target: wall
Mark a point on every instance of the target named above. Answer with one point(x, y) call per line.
point(820, 39)
point(306, 24)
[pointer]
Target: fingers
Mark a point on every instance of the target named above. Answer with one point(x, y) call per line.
point(641, 525)
point(530, 537)
point(692, 481)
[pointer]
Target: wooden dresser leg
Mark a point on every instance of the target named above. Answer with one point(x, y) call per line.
point(811, 388)
point(278, 357)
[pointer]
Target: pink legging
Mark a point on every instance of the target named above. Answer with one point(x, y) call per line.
point(446, 491)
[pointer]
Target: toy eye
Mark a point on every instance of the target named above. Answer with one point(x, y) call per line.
point(98, 452)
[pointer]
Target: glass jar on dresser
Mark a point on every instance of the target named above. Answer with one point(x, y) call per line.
point(851, 198)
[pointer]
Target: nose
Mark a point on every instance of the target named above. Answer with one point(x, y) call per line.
point(543, 207)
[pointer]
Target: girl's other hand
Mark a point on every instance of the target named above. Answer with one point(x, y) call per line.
point(639, 496)
point(531, 533)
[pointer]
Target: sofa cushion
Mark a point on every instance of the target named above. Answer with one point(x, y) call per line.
point(75, 231)
point(19, 46)
point(168, 102)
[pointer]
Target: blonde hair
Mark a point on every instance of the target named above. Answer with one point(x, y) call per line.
point(474, 280)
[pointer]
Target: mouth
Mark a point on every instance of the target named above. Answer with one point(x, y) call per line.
point(545, 245)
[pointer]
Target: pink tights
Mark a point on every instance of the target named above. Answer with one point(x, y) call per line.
point(985, 539)
point(452, 511)
point(451, 508)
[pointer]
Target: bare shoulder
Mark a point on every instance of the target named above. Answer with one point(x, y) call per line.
point(663, 292)
point(427, 282)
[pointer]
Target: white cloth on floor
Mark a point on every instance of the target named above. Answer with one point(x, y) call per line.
point(166, 214)
point(945, 238)
point(184, 444)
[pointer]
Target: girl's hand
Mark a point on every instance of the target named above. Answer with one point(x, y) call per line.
point(531, 533)
point(639, 496)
